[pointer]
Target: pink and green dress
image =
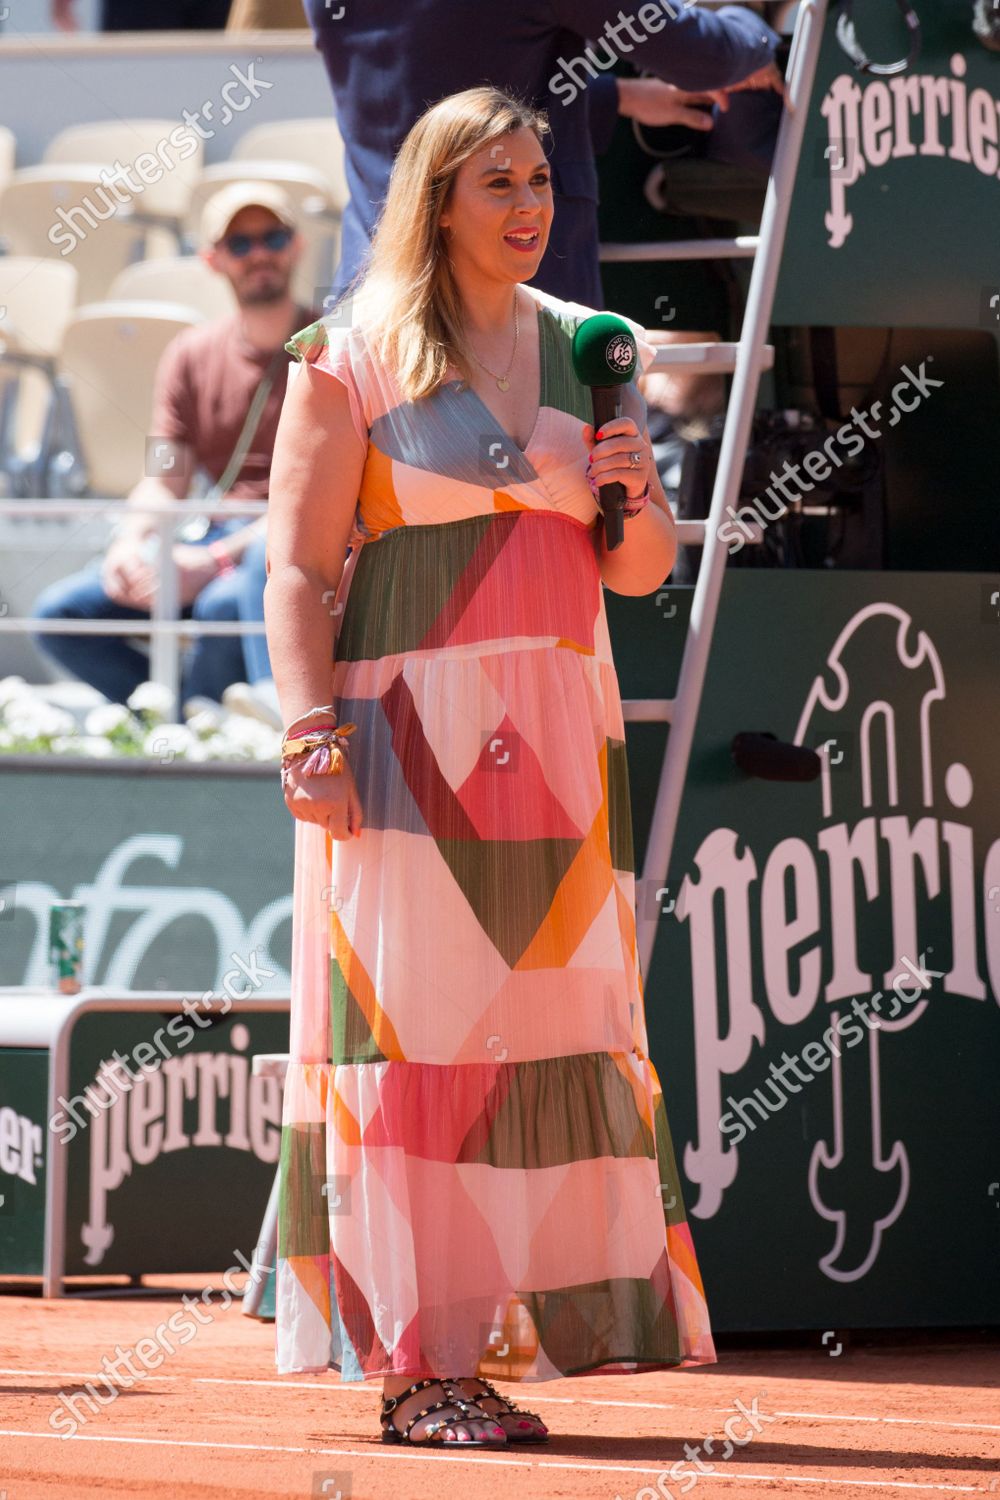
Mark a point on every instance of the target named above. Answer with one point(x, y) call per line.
point(477, 1175)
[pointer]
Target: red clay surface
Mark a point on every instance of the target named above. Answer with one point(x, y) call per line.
point(893, 1415)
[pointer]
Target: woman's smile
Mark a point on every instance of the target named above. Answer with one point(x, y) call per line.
point(524, 239)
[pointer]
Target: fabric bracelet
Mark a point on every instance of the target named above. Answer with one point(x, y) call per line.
point(326, 708)
point(324, 750)
point(633, 506)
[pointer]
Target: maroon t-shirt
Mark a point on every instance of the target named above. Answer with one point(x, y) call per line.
point(205, 382)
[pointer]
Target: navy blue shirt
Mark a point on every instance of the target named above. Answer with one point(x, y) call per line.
point(387, 60)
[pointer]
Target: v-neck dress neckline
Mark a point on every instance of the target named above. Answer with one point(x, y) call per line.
point(494, 419)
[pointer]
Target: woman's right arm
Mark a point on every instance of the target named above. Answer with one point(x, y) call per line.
point(316, 471)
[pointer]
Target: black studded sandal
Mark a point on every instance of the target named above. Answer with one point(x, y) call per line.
point(509, 1409)
point(470, 1413)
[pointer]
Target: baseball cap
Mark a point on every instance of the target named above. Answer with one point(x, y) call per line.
point(223, 206)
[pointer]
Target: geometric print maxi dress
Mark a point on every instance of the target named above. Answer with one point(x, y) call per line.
point(477, 1175)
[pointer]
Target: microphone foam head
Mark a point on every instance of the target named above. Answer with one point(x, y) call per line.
point(605, 351)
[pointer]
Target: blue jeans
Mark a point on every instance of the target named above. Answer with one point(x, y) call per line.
point(252, 576)
point(116, 668)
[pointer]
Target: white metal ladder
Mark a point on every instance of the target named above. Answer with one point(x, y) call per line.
point(746, 359)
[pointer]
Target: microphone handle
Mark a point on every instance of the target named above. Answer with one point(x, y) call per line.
point(607, 401)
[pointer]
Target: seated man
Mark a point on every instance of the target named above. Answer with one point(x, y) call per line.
point(205, 385)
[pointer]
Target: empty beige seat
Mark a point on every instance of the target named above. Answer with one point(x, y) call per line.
point(164, 157)
point(313, 275)
point(305, 186)
point(8, 148)
point(179, 279)
point(312, 143)
point(60, 212)
point(37, 298)
point(109, 359)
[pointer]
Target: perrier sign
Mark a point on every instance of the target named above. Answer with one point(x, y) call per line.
point(827, 969)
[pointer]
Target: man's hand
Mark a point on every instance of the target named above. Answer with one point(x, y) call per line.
point(196, 567)
point(653, 102)
point(130, 578)
point(127, 575)
point(769, 77)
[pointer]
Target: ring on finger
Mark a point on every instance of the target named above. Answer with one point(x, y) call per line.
point(635, 459)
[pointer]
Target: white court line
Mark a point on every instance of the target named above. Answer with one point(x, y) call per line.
point(362, 1388)
point(375, 1453)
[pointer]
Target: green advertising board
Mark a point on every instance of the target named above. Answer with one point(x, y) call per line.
point(895, 218)
point(23, 1089)
point(181, 868)
point(176, 1171)
point(139, 1139)
point(857, 1184)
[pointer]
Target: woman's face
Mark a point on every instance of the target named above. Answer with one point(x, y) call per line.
point(499, 211)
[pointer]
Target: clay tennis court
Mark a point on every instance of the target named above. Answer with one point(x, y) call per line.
point(893, 1414)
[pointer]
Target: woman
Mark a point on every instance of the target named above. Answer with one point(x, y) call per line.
point(477, 1176)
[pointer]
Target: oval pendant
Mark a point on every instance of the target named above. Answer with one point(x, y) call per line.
point(503, 385)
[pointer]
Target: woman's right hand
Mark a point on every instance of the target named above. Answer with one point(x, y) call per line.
point(330, 801)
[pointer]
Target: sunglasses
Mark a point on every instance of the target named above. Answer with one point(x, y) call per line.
point(272, 239)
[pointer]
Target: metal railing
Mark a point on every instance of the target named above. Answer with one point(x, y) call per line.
point(164, 624)
point(749, 357)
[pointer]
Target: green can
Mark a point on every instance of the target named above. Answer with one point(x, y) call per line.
point(66, 945)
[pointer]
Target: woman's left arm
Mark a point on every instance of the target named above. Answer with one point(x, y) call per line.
point(648, 551)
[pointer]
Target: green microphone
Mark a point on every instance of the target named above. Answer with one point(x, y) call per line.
point(605, 357)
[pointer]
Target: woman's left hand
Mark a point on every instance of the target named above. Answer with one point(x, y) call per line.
point(619, 441)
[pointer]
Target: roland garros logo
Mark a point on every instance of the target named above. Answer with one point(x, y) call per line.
point(620, 353)
point(913, 115)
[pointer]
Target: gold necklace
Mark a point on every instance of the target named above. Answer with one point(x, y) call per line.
point(503, 384)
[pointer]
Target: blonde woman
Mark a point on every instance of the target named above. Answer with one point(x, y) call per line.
point(477, 1177)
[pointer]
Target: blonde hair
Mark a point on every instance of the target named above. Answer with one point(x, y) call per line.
point(406, 296)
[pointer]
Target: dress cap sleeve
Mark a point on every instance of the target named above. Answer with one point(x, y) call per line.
point(329, 346)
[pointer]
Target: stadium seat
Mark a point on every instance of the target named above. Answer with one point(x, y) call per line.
point(176, 278)
point(37, 298)
point(29, 225)
point(8, 147)
point(109, 357)
point(307, 187)
point(312, 143)
point(106, 142)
